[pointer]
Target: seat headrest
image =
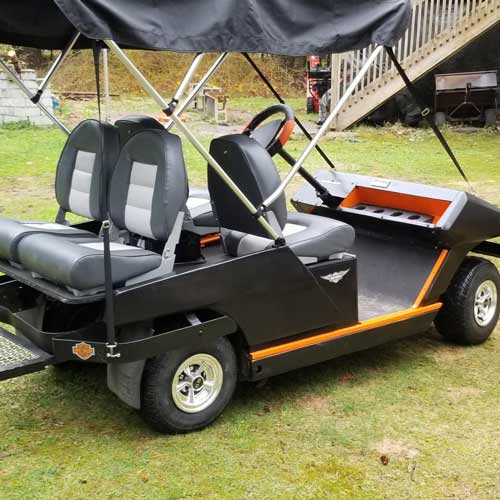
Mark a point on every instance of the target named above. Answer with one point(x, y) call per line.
point(130, 125)
point(84, 169)
point(149, 185)
point(252, 169)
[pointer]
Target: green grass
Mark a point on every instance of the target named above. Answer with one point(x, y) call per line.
point(317, 433)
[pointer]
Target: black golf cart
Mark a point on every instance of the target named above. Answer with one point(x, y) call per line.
point(183, 292)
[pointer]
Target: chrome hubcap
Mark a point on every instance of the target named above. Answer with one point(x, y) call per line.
point(485, 303)
point(197, 383)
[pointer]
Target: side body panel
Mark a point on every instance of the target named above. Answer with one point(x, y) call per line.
point(270, 295)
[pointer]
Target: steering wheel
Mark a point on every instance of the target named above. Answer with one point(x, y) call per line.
point(275, 134)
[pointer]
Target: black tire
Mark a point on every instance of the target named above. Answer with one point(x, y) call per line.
point(310, 105)
point(158, 406)
point(440, 118)
point(490, 118)
point(457, 321)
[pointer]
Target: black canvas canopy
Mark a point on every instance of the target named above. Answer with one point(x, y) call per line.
point(290, 27)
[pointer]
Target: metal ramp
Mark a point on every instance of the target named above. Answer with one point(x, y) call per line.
point(438, 30)
point(19, 356)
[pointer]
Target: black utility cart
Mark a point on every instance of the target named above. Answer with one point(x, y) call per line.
point(183, 291)
point(466, 97)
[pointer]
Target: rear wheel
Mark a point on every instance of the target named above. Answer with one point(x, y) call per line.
point(471, 306)
point(186, 389)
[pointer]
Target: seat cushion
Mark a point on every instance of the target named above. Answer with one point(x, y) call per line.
point(311, 237)
point(11, 233)
point(149, 185)
point(200, 208)
point(79, 265)
point(84, 169)
point(252, 169)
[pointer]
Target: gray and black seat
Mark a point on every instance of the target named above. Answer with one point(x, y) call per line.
point(147, 196)
point(200, 218)
point(311, 237)
point(82, 175)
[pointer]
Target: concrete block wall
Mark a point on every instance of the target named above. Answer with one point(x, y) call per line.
point(15, 106)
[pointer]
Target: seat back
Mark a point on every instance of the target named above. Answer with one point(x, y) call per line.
point(84, 169)
point(252, 169)
point(130, 125)
point(149, 185)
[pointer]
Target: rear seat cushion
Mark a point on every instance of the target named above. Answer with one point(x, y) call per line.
point(12, 231)
point(148, 193)
point(311, 237)
point(79, 265)
point(149, 186)
point(85, 165)
point(132, 124)
point(81, 185)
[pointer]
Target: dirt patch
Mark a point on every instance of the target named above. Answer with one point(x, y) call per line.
point(458, 394)
point(448, 354)
point(395, 449)
point(40, 186)
point(316, 404)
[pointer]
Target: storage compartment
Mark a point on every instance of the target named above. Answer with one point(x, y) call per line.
point(406, 208)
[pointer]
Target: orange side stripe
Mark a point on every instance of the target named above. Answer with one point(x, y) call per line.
point(371, 324)
point(431, 278)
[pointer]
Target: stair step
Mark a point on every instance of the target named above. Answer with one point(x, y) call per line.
point(19, 356)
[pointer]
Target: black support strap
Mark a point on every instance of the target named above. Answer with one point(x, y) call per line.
point(427, 114)
point(108, 273)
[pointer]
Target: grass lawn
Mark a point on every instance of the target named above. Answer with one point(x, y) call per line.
point(317, 433)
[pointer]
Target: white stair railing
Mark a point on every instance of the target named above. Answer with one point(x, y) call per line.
point(438, 28)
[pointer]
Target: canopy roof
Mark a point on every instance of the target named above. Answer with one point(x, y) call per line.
point(290, 27)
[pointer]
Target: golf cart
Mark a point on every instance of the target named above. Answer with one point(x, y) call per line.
point(184, 292)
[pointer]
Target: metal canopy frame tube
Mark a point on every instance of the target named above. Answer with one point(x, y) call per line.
point(188, 77)
point(324, 128)
point(149, 89)
point(15, 79)
point(107, 100)
point(55, 66)
point(199, 86)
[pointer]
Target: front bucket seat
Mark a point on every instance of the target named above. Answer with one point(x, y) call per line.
point(311, 237)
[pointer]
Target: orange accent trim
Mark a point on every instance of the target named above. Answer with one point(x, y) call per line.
point(388, 199)
point(432, 276)
point(286, 132)
point(209, 238)
point(371, 324)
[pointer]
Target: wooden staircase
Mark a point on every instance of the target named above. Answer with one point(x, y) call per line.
point(438, 30)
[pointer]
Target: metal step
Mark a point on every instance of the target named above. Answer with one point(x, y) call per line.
point(18, 356)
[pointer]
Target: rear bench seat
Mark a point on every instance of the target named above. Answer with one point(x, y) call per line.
point(82, 174)
point(147, 197)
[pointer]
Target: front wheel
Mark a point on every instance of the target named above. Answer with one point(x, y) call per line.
point(471, 307)
point(186, 389)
